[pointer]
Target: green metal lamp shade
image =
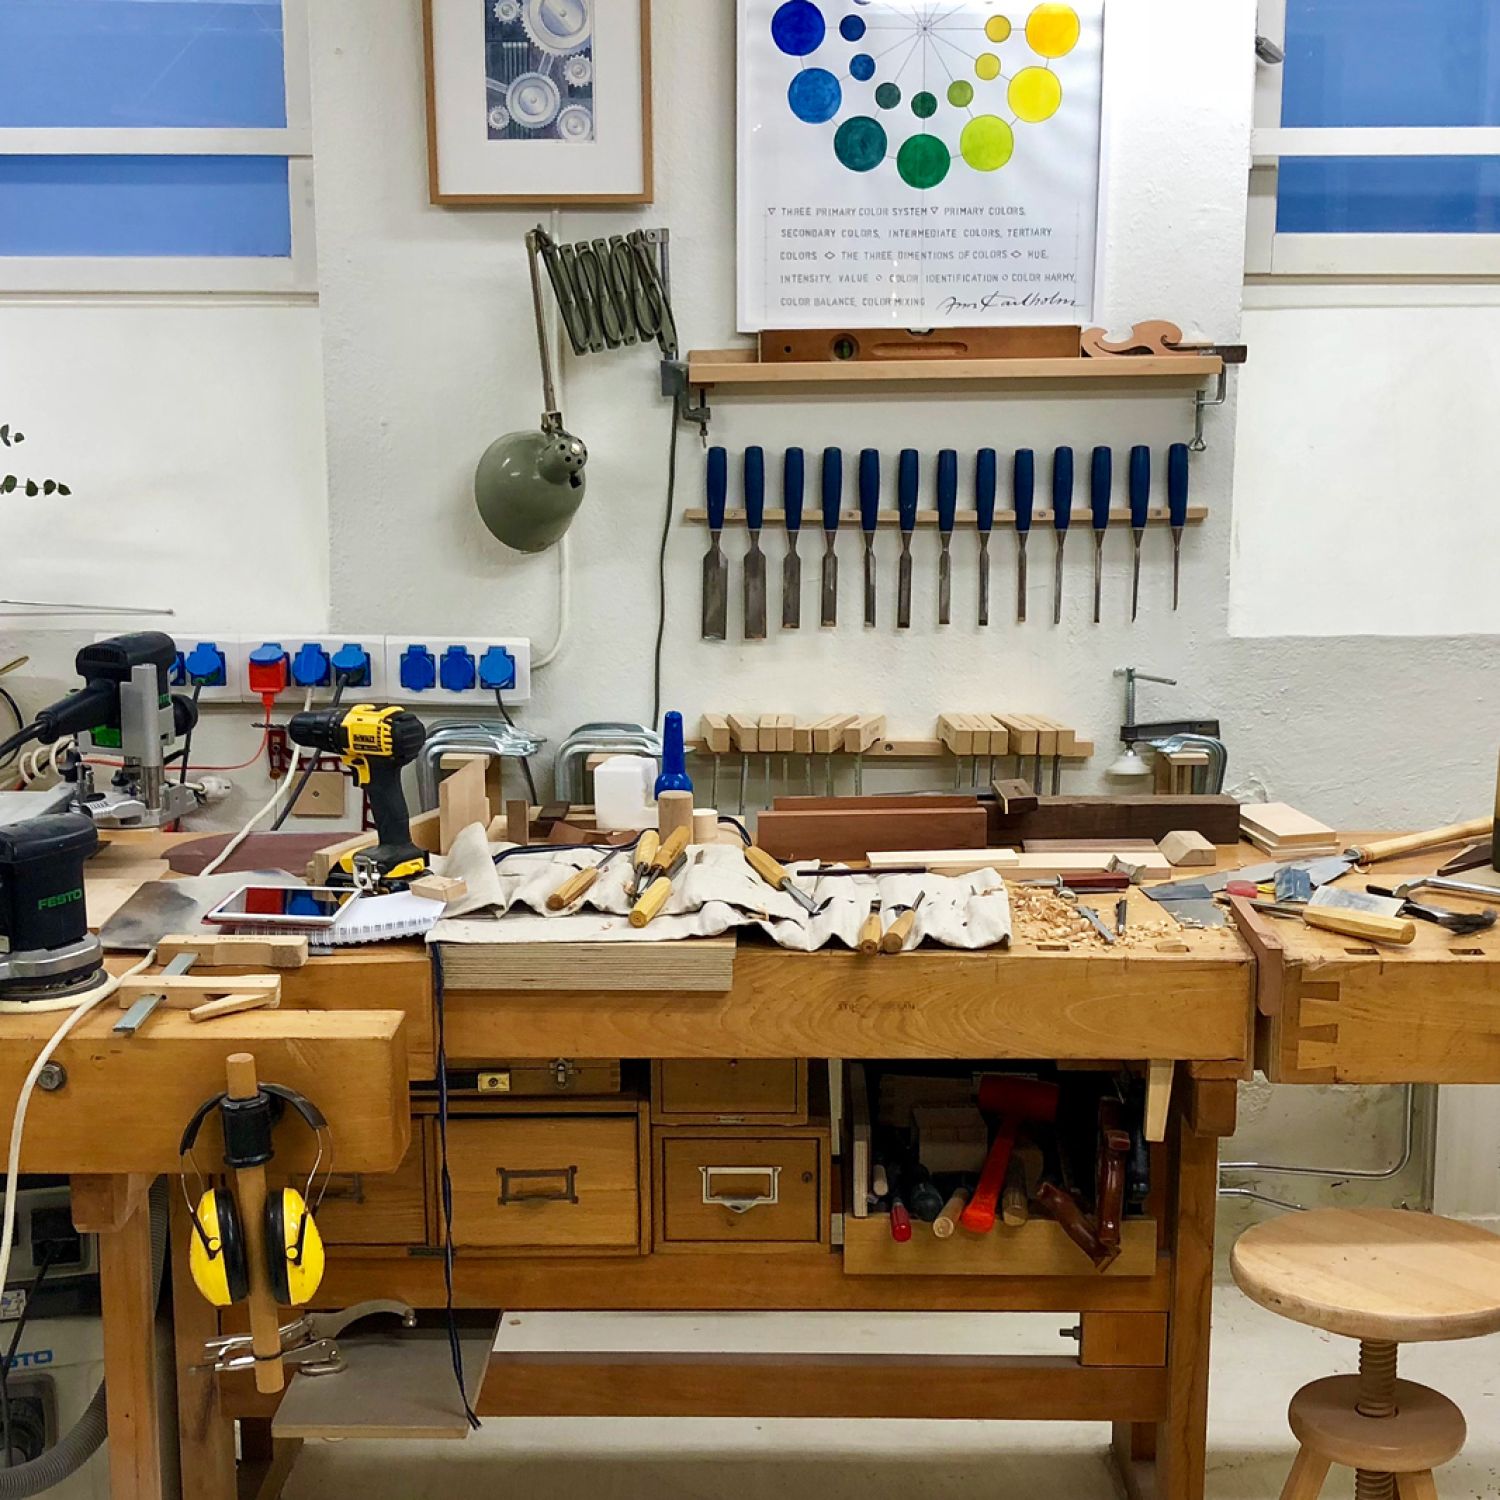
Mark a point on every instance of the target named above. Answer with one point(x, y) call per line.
point(529, 485)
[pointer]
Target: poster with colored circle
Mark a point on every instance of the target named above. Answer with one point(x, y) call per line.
point(918, 163)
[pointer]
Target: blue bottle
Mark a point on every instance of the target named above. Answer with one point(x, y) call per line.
point(674, 776)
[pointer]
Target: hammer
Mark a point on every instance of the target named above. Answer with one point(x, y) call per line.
point(1016, 1101)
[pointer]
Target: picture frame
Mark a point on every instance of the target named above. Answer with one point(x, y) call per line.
point(538, 101)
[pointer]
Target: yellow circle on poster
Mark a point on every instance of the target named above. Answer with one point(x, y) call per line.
point(1053, 30)
point(987, 143)
point(1035, 94)
point(987, 66)
point(997, 29)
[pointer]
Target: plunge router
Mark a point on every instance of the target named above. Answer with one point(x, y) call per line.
point(46, 949)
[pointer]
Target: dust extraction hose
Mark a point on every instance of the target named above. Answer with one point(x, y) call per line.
point(82, 1441)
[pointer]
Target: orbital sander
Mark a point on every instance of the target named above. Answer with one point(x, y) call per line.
point(46, 949)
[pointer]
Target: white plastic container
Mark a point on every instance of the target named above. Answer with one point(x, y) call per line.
point(623, 798)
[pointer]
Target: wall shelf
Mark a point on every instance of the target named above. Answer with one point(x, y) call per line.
point(967, 520)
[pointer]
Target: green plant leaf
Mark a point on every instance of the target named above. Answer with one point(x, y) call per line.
point(33, 489)
point(62, 489)
point(8, 484)
point(49, 486)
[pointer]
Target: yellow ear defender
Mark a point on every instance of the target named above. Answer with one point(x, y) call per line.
point(217, 1253)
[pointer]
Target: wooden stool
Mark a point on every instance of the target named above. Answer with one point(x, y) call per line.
point(1385, 1278)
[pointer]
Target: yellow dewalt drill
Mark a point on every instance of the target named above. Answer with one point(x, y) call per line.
point(377, 743)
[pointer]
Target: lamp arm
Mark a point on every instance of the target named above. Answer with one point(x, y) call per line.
point(551, 417)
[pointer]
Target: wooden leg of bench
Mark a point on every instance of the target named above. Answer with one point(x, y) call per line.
point(205, 1435)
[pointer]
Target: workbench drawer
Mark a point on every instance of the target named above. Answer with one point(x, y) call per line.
point(532, 1078)
point(757, 1189)
point(729, 1090)
point(567, 1182)
point(364, 1208)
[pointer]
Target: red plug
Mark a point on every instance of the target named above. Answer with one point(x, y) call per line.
point(270, 671)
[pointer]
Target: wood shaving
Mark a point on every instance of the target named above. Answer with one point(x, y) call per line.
point(1042, 917)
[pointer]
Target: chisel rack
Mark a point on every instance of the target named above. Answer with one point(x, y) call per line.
point(927, 520)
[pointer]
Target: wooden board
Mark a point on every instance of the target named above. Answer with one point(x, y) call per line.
point(855, 834)
point(1132, 817)
point(1280, 824)
point(695, 964)
point(1185, 849)
point(794, 345)
point(463, 798)
point(942, 859)
point(352, 1064)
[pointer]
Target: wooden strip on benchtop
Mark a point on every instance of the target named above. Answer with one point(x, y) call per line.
point(696, 964)
point(127, 1098)
point(854, 834)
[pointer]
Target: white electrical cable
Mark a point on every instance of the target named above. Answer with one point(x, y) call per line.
point(283, 786)
point(78, 1007)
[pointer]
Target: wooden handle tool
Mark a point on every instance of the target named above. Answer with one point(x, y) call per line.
point(649, 906)
point(946, 1223)
point(1361, 924)
point(869, 933)
point(1419, 843)
point(765, 866)
point(578, 885)
point(645, 852)
point(672, 849)
point(1015, 1202)
point(899, 932)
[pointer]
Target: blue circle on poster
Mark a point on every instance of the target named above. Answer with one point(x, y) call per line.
point(798, 28)
point(862, 66)
point(815, 95)
point(852, 28)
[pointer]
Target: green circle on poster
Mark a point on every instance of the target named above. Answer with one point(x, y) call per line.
point(961, 93)
point(924, 105)
point(860, 143)
point(987, 143)
point(888, 95)
point(923, 161)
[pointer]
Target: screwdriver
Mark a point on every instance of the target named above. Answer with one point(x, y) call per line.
point(1024, 490)
point(755, 559)
point(906, 502)
point(793, 479)
point(869, 518)
point(1101, 492)
point(833, 501)
point(579, 885)
point(645, 852)
point(947, 485)
point(986, 482)
point(1140, 504)
point(1177, 505)
point(1062, 518)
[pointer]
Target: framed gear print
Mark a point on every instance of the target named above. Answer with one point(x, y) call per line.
point(539, 101)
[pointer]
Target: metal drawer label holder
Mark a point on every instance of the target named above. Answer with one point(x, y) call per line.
point(741, 1205)
point(564, 1191)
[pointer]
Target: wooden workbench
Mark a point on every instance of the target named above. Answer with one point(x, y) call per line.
point(1300, 1001)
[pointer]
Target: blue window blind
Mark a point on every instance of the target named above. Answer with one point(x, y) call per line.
point(1394, 63)
point(142, 63)
point(145, 205)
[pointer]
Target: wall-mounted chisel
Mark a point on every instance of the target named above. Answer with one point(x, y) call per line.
point(1140, 506)
point(869, 520)
point(715, 564)
point(1178, 459)
point(833, 505)
point(1024, 500)
point(755, 559)
point(793, 486)
point(1062, 518)
point(947, 494)
point(986, 483)
point(1101, 492)
point(907, 495)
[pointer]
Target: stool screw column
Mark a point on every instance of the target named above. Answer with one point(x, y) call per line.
point(1377, 1398)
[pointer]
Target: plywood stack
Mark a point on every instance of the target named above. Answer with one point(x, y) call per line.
point(1284, 833)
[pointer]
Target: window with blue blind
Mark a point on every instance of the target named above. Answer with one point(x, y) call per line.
point(1402, 64)
point(158, 132)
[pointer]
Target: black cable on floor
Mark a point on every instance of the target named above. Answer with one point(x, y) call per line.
point(445, 1180)
point(661, 573)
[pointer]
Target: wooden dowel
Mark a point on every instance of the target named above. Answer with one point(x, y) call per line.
point(250, 1197)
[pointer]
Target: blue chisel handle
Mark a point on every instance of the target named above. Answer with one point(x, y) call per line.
point(986, 483)
point(910, 488)
point(793, 483)
point(1062, 488)
point(718, 487)
point(755, 488)
point(947, 484)
point(1177, 483)
point(1102, 486)
point(1024, 489)
point(869, 490)
point(1140, 485)
point(833, 487)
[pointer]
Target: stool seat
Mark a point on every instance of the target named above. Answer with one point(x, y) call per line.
point(1376, 1274)
point(1427, 1430)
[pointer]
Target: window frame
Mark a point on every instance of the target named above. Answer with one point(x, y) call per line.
point(1271, 253)
point(296, 274)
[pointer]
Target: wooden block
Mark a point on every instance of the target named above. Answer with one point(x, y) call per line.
point(954, 734)
point(439, 888)
point(1185, 849)
point(1088, 846)
point(1159, 1075)
point(322, 864)
point(426, 831)
point(518, 821)
point(270, 952)
point(828, 734)
point(706, 826)
point(713, 730)
point(786, 726)
point(184, 991)
point(1151, 863)
point(1128, 817)
point(674, 810)
point(744, 734)
point(1282, 825)
point(858, 804)
point(232, 1005)
point(324, 796)
point(496, 833)
point(1014, 798)
point(856, 834)
point(1124, 1340)
point(974, 859)
point(696, 964)
point(463, 798)
point(862, 734)
point(101, 1205)
point(766, 731)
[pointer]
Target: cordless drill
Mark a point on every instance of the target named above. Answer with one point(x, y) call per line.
point(376, 743)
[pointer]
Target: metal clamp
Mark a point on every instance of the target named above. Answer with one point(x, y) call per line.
point(1201, 404)
point(566, 1192)
point(740, 1204)
point(307, 1343)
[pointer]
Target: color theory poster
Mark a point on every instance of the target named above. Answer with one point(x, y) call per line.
point(918, 163)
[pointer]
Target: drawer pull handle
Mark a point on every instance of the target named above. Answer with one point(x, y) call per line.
point(514, 1185)
point(354, 1193)
point(738, 1203)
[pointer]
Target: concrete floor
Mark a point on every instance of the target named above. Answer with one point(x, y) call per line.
point(1258, 1361)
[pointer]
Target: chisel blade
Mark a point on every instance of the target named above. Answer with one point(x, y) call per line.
point(903, 587)
point(945, 584)
point(869, 582)
point(791, 589)
point(984, 580)
point(715, 593)
point(830, 583)
point(1021, 580)
point(755, 591)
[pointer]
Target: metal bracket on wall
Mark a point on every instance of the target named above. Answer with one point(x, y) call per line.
point(674, 383)
point(1201, 404)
